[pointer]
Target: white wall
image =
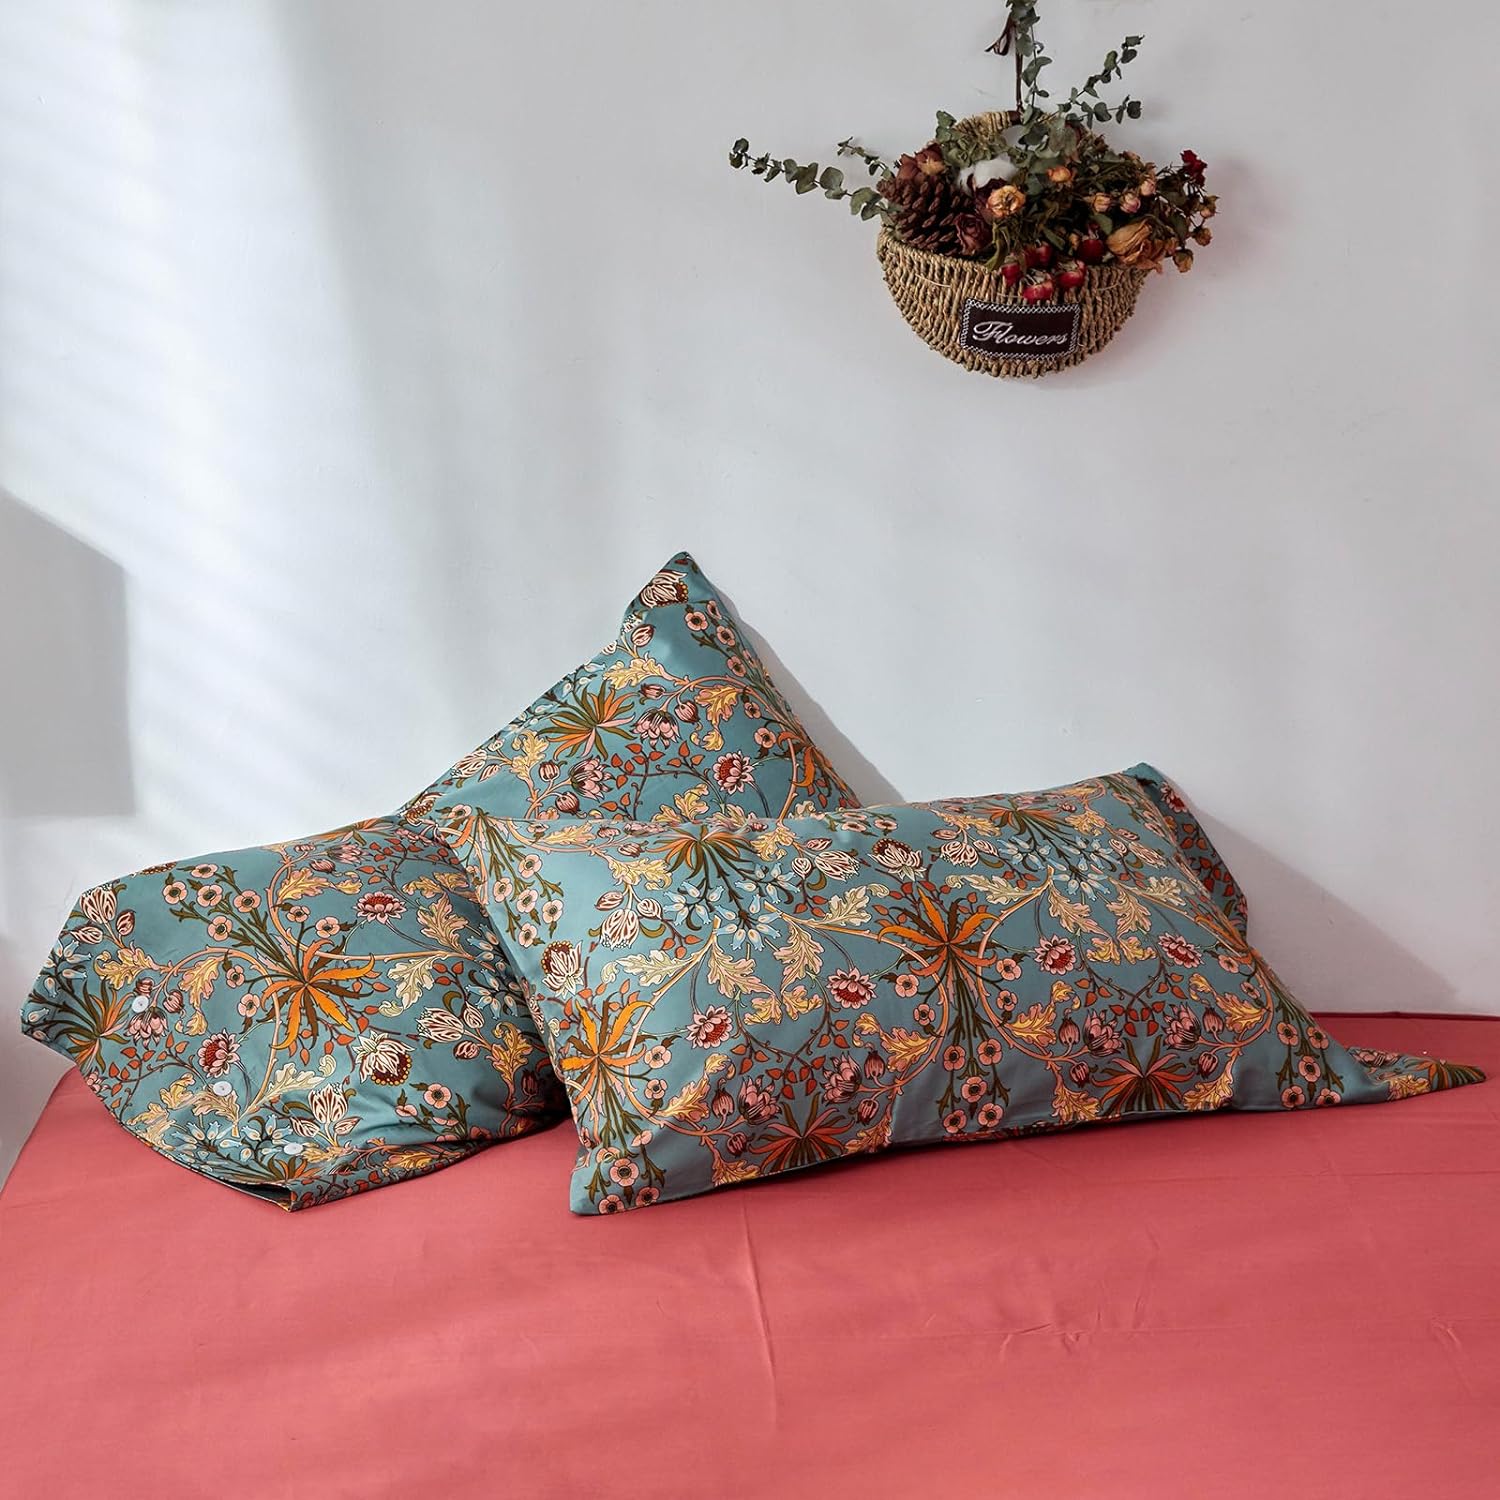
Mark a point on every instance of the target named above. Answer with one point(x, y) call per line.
point(358, 360)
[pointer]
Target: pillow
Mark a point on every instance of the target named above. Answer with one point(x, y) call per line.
point(675, 718)
point(304, 1020)
point(729, 1000)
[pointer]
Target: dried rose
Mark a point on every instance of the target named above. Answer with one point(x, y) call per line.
point(1147, 187)
point(974, 235)
point(1101, 203)
point(1202, 235)
point(1060, 175)
point(928, 162)
point(1005, 201)
point(1132, 245)
point(1183, 260)
point(1130, 203)
point(1194, 167)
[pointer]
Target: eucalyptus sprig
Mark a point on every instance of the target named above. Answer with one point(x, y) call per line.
point(807, 177)
point(1021, 189)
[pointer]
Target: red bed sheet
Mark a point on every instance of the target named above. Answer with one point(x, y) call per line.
point(1233, 1306)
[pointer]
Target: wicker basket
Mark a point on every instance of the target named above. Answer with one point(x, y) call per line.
point(937, 295)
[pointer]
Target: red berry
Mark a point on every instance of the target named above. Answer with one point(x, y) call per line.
point(1071, 276)
point(1038, 255)
point(1011, 271)
point(1091, 249)
point(1039, 291)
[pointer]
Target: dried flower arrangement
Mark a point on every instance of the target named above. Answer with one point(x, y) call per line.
point(1028, 207)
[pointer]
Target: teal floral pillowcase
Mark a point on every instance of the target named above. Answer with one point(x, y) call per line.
point(732, 998)
point(304, 1020)
point(677, 718)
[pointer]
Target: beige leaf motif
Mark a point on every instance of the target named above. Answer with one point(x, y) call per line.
point(718, 700)
point(802, 954)
point(441, 923)
point(689, 1104)
point(1241, 1014)
point(633, 671)
point(1074, 915)
point(1072, 1107)
point(1212, 1093)
point(1037, 1025)
point(733, 976)
point(300, 884)
point(198, 982)
point(725, 1172)
point(1132, 914)
point(124, 969)
point(508, 1051)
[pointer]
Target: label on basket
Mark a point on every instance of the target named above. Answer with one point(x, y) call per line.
point(1020, 330)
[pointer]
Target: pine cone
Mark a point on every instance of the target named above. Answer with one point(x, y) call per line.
point(928, 205)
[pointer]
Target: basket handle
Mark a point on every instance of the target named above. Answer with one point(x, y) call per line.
point(1006, 43)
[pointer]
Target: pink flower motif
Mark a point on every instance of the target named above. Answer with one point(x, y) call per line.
point(709, 1027)
point(1008, 970)
point(1056, 955)
point(989, 1052)
point(436, 1096)
point(1102, 1037)
point(974, 1089)
point(380, 906)
point(327, 926)
point(218, 1053)
point(656, 724)
point(219, 929)
point(851, 989)
point(906, 985)
point(247, 901)
point(954, 1057)
point(623, 1171)
point(841, 1081)
point(954, 1122)
point(1182, 1027)
point(756, 1103)
point(989, 1115)
point(1179, 951)
point(733, 772)
point(1293, 1098)
point(210, 895)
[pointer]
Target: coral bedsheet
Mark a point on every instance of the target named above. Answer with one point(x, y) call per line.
point(1237, 1305)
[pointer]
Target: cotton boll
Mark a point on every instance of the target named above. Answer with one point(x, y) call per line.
point(983, 173)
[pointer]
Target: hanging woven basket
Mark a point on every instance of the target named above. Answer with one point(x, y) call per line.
point(968, 313)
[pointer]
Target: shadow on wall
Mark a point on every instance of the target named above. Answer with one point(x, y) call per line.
point(64, 752)
point(62, 664)
point(869, 785)
point(1329, 956)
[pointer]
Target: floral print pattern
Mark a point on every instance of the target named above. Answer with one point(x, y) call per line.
point(305, 1020)
point(737, 996)
point(677, 718)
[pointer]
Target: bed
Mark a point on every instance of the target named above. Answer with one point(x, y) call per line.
point(1240, 1305)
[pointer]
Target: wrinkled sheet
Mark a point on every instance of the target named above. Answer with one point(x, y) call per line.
point(1236, 1305)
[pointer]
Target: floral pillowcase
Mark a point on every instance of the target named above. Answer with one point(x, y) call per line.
point(727, 999)
point(677, 718)
point(304, 1020)
point(312, 1019)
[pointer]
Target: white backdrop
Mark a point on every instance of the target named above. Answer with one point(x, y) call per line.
point(358, 360)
